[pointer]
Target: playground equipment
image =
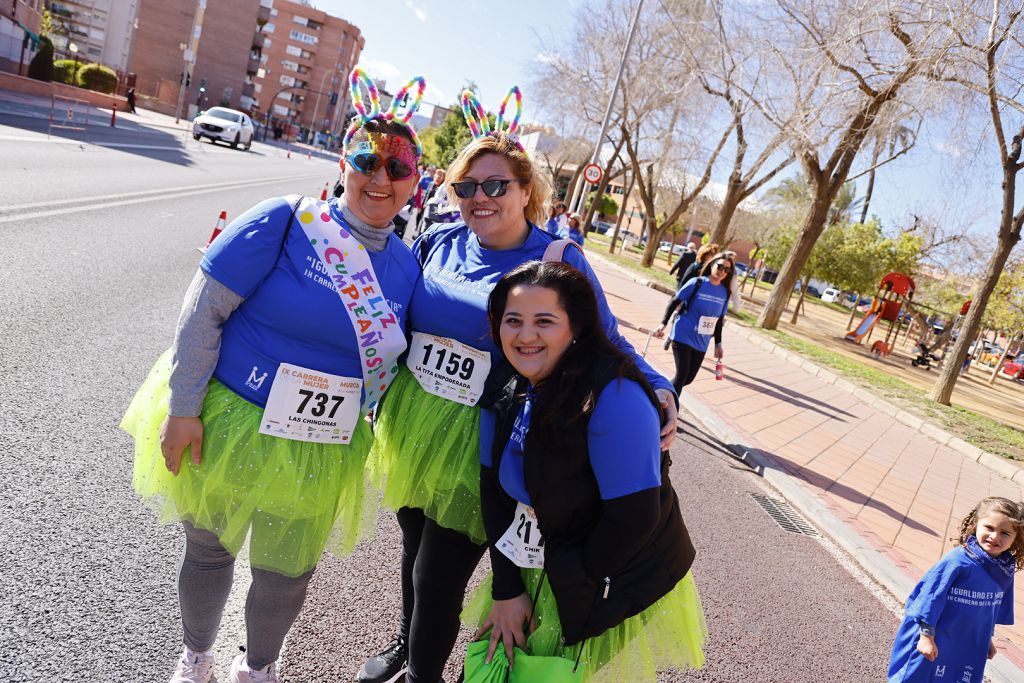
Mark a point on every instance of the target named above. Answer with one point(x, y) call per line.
point(894, 290)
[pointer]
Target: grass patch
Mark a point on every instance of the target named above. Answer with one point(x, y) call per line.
point(977, 429)
point(632, 264)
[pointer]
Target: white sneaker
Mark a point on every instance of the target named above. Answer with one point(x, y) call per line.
point(194, 667)
point(241, 673)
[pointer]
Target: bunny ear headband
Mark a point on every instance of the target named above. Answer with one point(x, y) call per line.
point(476, 117)
point(369, 111)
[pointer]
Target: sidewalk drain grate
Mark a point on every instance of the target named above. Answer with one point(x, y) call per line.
point(786, 517)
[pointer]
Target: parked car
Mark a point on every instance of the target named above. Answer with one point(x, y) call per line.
point(603, 227)
point(677, 249)
point(226, 125)
point(1014, 367)
point(741, 269)
point(831, 295)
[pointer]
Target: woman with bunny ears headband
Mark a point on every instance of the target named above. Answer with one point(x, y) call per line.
point(436, 420)
point(289, 335)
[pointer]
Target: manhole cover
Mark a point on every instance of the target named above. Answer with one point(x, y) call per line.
point(786, 517)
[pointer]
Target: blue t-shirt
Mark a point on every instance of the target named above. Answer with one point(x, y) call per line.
point(710, 300)
point(963, 602)
point(458, 275)
point(292, 313)
point(576, 236)
point(622, 440)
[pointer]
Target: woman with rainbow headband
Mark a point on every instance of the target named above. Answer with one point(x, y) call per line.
point(435, 420)
point(290, 333)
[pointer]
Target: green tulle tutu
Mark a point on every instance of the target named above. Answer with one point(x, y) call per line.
point(296, 497)
point(670, 634)
point(427, 456)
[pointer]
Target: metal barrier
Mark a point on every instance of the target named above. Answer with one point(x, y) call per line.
point(67, 113)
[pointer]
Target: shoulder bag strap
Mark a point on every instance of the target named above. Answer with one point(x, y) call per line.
point(555, 250)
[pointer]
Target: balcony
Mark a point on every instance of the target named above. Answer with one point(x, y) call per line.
point(254, 64)
point(248, 90)
point(257, 41)
point(263, 16)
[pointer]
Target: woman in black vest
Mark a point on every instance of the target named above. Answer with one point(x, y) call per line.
point(576, 458)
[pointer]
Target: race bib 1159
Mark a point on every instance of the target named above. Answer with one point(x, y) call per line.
point(448, 368)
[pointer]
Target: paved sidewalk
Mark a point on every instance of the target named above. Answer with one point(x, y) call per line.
point(901, 492)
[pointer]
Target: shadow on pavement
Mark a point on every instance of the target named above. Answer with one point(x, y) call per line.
point(785, 394)
point(825, 484)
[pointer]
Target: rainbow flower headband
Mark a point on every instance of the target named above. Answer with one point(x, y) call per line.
point(476, 117)
point(366, 112)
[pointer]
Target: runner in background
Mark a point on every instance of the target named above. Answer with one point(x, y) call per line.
point(252, 423)
point(703, 303)
point(574, 230)
point(435, 419)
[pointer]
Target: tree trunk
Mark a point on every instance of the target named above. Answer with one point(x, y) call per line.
point(622, 214)
point(800, 301)
point(1009, 235)
point(867, 195)
point(730, 202)
point(651, 248)
point(814, 224)
point(853, 312)
point(750, 267)
point(999, 363)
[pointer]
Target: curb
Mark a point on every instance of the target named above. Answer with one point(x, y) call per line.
point(1000, 466)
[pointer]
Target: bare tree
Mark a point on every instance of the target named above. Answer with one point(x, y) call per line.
point(866, 54)
point(987, 64)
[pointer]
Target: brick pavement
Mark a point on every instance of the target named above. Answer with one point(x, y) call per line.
point(898, 489)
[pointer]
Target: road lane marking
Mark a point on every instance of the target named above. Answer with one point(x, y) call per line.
point(59, 207)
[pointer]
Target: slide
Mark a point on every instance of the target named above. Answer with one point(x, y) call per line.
point(865, 326)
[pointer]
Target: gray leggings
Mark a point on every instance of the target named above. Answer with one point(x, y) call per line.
point(204, 582)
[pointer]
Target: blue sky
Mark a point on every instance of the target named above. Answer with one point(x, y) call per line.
point(947, 176)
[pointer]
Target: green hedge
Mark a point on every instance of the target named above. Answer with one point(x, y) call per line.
point(64, 71)
point(41, 66)
point(97, 77)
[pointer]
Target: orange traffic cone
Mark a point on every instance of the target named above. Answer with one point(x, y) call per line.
point(323, 195)
point(222, 221)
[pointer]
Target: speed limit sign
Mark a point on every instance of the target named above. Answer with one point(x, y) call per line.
point(592, 173)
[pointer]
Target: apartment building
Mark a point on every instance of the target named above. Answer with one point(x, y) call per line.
point(17, 17)
point(226, 61)
point(101, 30)
point(306, 57)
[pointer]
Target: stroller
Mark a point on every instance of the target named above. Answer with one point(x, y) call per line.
point(924, 356)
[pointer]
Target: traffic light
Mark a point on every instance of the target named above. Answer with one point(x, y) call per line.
point(202, 85)
point(334, 98)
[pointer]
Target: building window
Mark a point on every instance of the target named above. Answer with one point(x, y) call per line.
point(266, 42)
point(287, 81)
point(289, 66)
point(273, 11)
point(301, 21)
point(257, 88)
point(263, 59)
point(261, 73)
point(302, 37)
point(281, 110)
point(269, 28)
point(294, 50)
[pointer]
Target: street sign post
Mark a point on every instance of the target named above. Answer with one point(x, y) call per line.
point(592, 173)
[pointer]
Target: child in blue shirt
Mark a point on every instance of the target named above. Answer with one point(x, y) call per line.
point(951, 614)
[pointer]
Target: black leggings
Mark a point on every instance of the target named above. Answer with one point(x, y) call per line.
point(437, 564)
point(688, 361)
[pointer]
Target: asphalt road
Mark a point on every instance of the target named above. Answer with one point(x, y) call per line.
point(98, 246)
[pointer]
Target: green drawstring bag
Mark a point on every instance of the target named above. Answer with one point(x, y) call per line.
point(477, 670)
point(527, 668)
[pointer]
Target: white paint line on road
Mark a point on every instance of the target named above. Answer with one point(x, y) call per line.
point(62, 207)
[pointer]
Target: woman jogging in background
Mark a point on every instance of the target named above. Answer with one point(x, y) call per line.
point(436, 417)
point(252, 423)
point(947, 631)
point(575, 230)
point(589, 547)
point(703, 302)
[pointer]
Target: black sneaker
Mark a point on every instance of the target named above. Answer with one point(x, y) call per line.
point(385, 665)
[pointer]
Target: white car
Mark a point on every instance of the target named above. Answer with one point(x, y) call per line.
point(227, 125)
point(830, 295)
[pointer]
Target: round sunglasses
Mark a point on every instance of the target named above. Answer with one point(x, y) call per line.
point(464, 189)
point(367, 163)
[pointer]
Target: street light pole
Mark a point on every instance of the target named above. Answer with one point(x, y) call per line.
point(190, 56)
point(577, 199)
point(316, 106)
point(73, 49)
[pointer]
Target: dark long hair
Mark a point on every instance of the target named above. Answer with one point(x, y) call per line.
point(721, 256)
point(566, 395)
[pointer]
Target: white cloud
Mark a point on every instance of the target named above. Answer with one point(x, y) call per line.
point(952, 150)
point(435, 95)
point(384, 71)
point(420, 13)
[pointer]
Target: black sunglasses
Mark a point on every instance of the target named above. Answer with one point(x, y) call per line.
point(367, 163)
point(464, 189)
point(721, 266)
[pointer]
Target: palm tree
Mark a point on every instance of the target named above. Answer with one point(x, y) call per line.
point(795, 193)
point(894, 139)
